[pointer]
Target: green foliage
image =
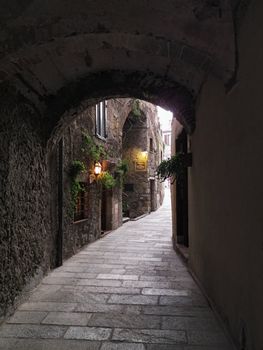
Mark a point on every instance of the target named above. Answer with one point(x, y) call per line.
point(125, 204)
point(171, 168)
point(121, 170)
point(76, 168)
point(94, 152)
point(107, 180)
point(123, 167)
point(136, 111)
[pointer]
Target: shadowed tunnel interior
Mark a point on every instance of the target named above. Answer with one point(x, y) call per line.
point(201, 59)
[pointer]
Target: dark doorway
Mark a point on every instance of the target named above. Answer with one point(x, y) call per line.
point(104, 211)
point(182, 196)
point(152, 191)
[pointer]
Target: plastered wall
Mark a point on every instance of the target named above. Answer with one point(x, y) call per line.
point(226, 191)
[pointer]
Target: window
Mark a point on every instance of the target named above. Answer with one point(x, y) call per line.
point(151, 144)
point(167, 139)
point(129, 187)
point(82, 205)
point(101, 119)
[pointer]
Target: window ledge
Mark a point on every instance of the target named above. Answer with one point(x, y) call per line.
point(80, 221)
point(101, 137)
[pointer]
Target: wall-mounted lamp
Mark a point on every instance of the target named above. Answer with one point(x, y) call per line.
point(144, 154)
point(97, 168)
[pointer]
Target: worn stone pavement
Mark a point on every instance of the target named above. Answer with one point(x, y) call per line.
point(127, 291)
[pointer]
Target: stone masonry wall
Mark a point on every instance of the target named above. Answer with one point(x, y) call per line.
point(29, 195)
point(79, 233)
point(24, 216)
point(155, 155)
point(142, 144)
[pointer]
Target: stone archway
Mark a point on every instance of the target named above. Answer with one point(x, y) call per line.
point(59, 57)
point(58, 54)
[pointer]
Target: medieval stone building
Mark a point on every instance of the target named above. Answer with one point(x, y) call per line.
point(142, 148)
point(113, 130)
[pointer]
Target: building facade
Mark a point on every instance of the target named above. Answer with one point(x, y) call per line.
point(102, 135)
point(143, 150)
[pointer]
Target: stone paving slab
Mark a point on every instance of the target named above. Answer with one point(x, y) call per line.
point(48, 306)
point(164, 291)
point(122, 346)
point(28, 317)
point(214, 347)
point(31, 331)
point(88, 333)
point(103, 290)
point(190, 323)
point(48, 344)
point(102, 283)
point(203, 337)
point(182, 300)
point(78, 296)
point(127, 291)
point(97, 308)
point(67, 318)
point(150, 336)
point(60, 280)
point(118, 277)
point(133, 299)
point(157, 284)
point(182, 311)
point(125, 320)
point(73, 275)
point(164, 347)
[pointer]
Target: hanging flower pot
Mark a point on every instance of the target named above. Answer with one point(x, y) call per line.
point(174, 167)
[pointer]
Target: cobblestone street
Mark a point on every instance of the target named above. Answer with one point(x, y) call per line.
point(127, 291)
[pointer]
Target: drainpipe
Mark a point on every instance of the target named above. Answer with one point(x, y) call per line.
point(60, 204)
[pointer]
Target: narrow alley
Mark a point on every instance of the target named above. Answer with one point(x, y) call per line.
point(126, 291)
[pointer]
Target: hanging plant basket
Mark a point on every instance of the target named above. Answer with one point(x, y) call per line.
point(174, 167)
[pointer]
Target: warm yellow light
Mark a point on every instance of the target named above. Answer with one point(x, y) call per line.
point(144, 154)
point(97, 168)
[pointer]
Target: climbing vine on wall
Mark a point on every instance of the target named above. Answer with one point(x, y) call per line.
point(135, 108)
point(76, 168)
point(107, 180)
point(121, 170)
point(93, 151)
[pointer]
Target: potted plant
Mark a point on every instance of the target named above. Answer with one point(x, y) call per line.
point(174, 167)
